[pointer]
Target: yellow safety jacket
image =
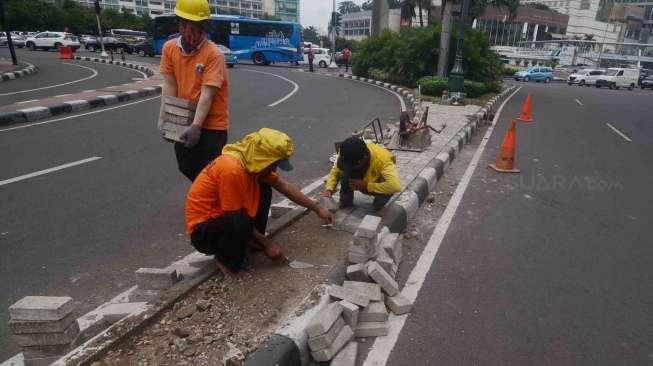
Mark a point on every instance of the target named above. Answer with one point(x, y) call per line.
point(381, 176)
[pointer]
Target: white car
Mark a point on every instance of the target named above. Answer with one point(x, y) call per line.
point(47, 40)
point(585, 77)
point(617, 77)
point(322, 58)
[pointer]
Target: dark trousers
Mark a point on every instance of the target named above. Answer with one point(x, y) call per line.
point(347, 194)
point(192, 160)
point(310, 65)
point(346, 65)
point(227, 236)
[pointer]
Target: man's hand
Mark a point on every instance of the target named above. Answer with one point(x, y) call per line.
point(327, 194)
point(191, 136)
point(275, 253)
point(325, 215)
point(357, 185)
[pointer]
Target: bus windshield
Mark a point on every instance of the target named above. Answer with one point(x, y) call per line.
point(262, 41)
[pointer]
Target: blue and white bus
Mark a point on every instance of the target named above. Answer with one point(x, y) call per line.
point(262, 41)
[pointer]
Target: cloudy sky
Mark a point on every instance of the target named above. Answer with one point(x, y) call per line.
point(317, 12)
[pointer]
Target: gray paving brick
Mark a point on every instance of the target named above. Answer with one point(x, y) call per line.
point(45, 351)
point(398, 304)
point(345, 335)
point(350, 313)
point(357, 272)
point(113, 313)
point(384, 260)
point(383, 278)
point(156, 278)
point(371, 290)
point(325, 340)
point(41, 326)
point(44, 361)
point(48, 339)
point(346, 356)
point(323, 320)
point(368, 227)
point(392, 246)
point(374, 312)
point(376, 329)
point(353, 297)
point(41, 308)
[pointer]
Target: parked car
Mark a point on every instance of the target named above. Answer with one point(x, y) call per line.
point(144, 48)
point(85, 38)
point(229, 57)
point(537, 73)
point(110, 44)
point(47, 40)
point(322, 58)
point(585, 77)
point(616, 77)
point(647, 82)
point(18, 40)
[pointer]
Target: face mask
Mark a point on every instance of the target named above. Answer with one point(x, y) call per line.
point(191, 38)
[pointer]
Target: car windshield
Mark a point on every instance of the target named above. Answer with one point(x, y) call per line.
point(611, 72)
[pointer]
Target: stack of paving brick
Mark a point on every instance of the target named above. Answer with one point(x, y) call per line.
point(45, 328)
point(179, 114)
point(362, 302)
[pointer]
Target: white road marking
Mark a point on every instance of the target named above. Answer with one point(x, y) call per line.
point(95, 73)
point(75, 116)
point(295, 86)
point(383, 346)
point(28, 101)
point(62, 95)
point(579, 102)
point(134, 70)
point(619, 132)
point(49, 170)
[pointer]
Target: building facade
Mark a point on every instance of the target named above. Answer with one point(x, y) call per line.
point(357, 26)
point(285, 9)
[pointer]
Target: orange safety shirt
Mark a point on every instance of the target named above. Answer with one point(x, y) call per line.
point(223, 186)
point(205, 66)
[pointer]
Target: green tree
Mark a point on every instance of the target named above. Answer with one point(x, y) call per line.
point(540, 6)
point(369, 4)
point(310, 34)
point(347, 7)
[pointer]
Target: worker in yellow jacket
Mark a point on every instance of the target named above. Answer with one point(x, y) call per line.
point(368, 168)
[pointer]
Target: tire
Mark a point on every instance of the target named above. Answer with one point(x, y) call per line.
point(31, 46)
point(527, 79)
point(570, 83)
point(57, 45)
point(631, 87)
point(259, 58)
point(581, 83)
point(141, 53)
point(322, 64)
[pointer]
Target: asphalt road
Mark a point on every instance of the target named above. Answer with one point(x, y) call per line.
point(552, 266)
point(57, 77)
point(82, 231)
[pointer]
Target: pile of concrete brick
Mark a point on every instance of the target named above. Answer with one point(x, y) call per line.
point(178, 115)
point(361, 304)
point(44, 327)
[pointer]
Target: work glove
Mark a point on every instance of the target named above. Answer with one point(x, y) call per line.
point(191, 136)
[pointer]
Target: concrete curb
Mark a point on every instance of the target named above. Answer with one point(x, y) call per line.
point(289, 348)
point(29, 70)
point(33, 114)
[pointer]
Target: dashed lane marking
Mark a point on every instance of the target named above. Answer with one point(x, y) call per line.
point(619, 133)
point(49, 170)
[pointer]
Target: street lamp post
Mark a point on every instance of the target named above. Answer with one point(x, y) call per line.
point(457, 74)
point(7, 29)
point(99, 27)
point(332, 64)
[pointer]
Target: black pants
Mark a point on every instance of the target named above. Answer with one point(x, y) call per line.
point(227, 236)
point(346, 65)
point(347, 194)
point(310, 65)
point(192, 160)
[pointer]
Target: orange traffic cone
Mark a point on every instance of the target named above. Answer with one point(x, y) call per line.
point(526, 111)
point(506, 159)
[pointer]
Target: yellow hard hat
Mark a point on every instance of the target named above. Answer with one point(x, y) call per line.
point(193, 10)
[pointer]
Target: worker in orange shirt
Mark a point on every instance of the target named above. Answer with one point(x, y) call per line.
point(194, 69)
point(228, 204)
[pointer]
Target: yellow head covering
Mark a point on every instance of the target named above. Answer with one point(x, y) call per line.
point(260, 149)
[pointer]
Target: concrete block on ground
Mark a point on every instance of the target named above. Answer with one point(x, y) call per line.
point(45, 351)
point(45, 361)
point(371, 290)
point(90, 325)
point(345, 335)
point(41, 308)
point(384, 260)
point(41, 326)
point(357, 258)
point(399, 304)
point(358, 272)
point(109, 99)
point(352, 296)
point(392, 246)
point(156, 278)
point(346, 356)
point(326, 340)
point(185, 271)
point(197, 259)
point(78, 105)
point(375, 329)
point(368, 227)
point(279, 209)
point(35, 113)
point(48, 339)
point(374, 312)
point(383, 278)
point(321, 322)
point(113, 313)
point(350, 313)
point(140, 295)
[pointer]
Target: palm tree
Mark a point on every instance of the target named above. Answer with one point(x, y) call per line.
point(335, 23)
point(476, 8)
point(348, 6)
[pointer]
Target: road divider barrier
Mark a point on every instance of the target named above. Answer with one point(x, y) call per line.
point(29, 69)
